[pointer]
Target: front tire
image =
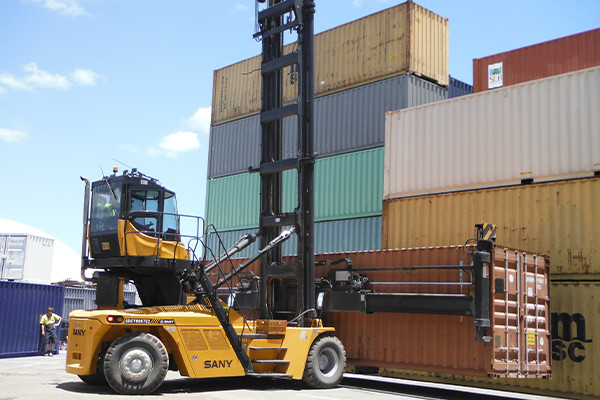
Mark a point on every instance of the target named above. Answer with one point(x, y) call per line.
point(136, 363)
point(325, 363)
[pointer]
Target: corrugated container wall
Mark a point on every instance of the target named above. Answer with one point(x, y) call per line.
point(558, 218)
point(540, 60)
point(535, 131)
point(357, 234)
point(345, 121)
point(346, 186)
point(442, 343)
point(85, 299)
point(520, 320)
point(401, 39)
point(575, 333)
point(26, 258)
point(21, 306)
point(457, 88)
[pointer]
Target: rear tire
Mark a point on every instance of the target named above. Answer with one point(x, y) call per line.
point(136, 363)
point(325, 363)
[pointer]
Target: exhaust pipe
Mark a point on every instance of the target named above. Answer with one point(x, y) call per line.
point(84, 241)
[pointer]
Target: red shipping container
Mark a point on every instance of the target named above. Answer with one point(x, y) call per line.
point(542, 60)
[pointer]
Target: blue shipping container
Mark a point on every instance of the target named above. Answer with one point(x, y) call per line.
point(21, 307)
point(457, 88)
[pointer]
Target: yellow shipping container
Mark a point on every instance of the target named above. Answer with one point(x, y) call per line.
point(560, 219)
point(575, 349)
point(400, 39)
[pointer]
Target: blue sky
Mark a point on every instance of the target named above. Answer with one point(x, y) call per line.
point(87, 82)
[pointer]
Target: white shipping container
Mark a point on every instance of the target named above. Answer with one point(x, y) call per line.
point(26, 258)
point(537, 131)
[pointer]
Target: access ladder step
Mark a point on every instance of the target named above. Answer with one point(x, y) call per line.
point(269, 375)
point(253, 336)
point(270, 361)
point(268, 348)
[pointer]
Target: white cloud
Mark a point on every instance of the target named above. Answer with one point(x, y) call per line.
point(9, 81)
point(200, 121)
point(183, 141)
point(241, 7)
point(84, 77)
point(179, 142)
point(35, 77)
point(357, 3)
point(12, 136)
point(69, 8)
point(44, 79)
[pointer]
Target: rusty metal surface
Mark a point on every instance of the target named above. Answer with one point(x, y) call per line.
point(400, 39)
point(575, 332)
point(559, 219)
point(520, 346)
point(520, 328)
point(541, 60)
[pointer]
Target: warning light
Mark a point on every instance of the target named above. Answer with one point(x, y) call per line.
point(114, 319)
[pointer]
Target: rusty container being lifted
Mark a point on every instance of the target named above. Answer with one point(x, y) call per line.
point(517, 343)
point(519, 335)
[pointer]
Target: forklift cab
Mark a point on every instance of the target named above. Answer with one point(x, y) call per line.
point(133, 215)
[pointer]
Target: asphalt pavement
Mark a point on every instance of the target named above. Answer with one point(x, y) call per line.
point(42, 377)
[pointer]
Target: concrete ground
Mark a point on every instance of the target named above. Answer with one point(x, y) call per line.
point(40, 377)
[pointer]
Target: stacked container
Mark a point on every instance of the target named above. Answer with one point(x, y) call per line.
point(394, 59)
point(542, 60)
point(525, 157)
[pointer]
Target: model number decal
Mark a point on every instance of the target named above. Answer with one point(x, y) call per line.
point(217, 364)
point(138, 320)
point(148, 321)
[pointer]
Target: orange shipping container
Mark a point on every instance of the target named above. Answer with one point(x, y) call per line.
point(558, 218)
point(538, 61)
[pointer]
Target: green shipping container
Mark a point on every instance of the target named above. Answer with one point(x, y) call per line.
point(346, 186)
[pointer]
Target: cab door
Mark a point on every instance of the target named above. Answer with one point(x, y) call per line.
point(145, 207)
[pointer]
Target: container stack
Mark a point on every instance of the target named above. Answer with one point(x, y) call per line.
point(394, 59)
point(526, 157)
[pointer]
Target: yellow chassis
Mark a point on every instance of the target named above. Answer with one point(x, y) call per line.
point(194, 338)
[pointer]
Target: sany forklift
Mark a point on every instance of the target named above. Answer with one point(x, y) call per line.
point(131, 234)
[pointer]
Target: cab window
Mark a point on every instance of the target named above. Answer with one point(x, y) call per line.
point(145, 200)
point(106, 207)
point(170, 218)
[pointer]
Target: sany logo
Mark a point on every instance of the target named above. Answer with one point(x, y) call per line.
point(217, 364)
point(78, 332)
point(563, 342)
